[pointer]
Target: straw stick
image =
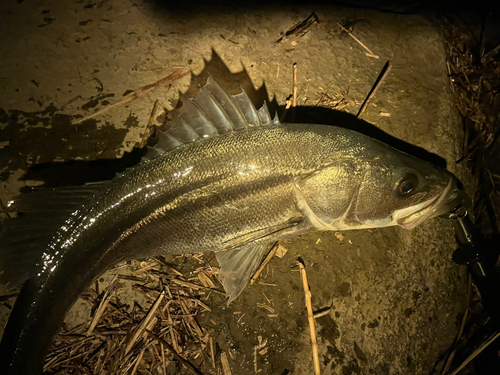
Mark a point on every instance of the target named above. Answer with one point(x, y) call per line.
point(212, 354)
point(226, 369)
point(138, 361)
point(142, 327)
point(287, 107)
point(186, 363)
point(268, 258)
point(476, 353)
point(370, 53)
point(294, 103)
point(385, 70)
point(449, 361)
point(175, 76)
point(310, 317)
point(149, 126)
point(102, 305)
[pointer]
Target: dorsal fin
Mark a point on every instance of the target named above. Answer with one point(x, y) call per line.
point(182, 131)
point(247, 107)
point(191, 114)
point(264, 115)
point(276, 119)
point(167, 141)
point(233, 111)
point(213, 111)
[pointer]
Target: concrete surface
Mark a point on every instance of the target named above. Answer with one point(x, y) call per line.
point(396, 294)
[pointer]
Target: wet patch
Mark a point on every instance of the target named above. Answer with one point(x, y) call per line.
point(345, 289)
point(46, 136)
point(94, 102)
point(359, 353)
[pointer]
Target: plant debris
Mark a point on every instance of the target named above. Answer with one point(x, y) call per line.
point(159, 337)
point(475, 84)
point(341, 101)
point(300, 29)
point(369, 53)
point(474, 73)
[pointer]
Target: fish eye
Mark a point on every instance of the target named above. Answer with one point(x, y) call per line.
point(407, 185)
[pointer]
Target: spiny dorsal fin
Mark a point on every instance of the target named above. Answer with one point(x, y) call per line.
point(191, 114)
point(233, 111)
point(182, 131)
point(276, 119)
point(213, 111)
point(264, 115)
point(247, 107)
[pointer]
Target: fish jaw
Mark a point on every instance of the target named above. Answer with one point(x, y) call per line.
point(410, 217)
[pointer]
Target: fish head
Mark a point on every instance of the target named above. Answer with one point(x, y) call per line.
point(407, 190)
point(381, 189)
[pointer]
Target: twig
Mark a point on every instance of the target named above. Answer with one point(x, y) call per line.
point(476, 353)
point(241, 317)
point(385, 70)
point(149, 126)
point(102, 305)
point(226, 369)
point(319, 314)
point(370, 53)
point(310, 317)
point(294, 103)
point(300, 28)
point(175, 76)
point(138, 361)
point(287, 107)
point(186, 363)
point(256, 348)
point(267, 284)
point(196, 286)
point(212, 354)
point(105, 347)
point(142, 327)
point(264, 263)
point(449, 361)
point(294, 96)
point(255, 365)
point(264, 306)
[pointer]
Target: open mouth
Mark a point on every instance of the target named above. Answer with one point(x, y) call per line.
point(449, 198)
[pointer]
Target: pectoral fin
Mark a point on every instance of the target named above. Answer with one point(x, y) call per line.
point(289, 228)
point(242, 255)
point(238, 265)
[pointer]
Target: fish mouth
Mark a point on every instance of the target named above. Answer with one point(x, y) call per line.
point(443, 203)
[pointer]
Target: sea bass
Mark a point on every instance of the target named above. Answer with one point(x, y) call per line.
point(225, 178)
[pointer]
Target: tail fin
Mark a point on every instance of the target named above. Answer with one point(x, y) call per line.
point(41, 213)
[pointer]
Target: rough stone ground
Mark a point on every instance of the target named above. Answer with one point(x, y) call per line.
point(395, 293)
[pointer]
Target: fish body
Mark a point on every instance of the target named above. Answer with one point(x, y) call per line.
point(231, 192)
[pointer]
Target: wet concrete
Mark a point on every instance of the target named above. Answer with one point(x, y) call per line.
point(395, 294)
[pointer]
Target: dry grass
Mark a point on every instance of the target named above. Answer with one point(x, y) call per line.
point(159, 337)
point(475, 85)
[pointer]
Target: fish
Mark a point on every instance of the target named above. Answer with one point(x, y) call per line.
point(225, 177)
